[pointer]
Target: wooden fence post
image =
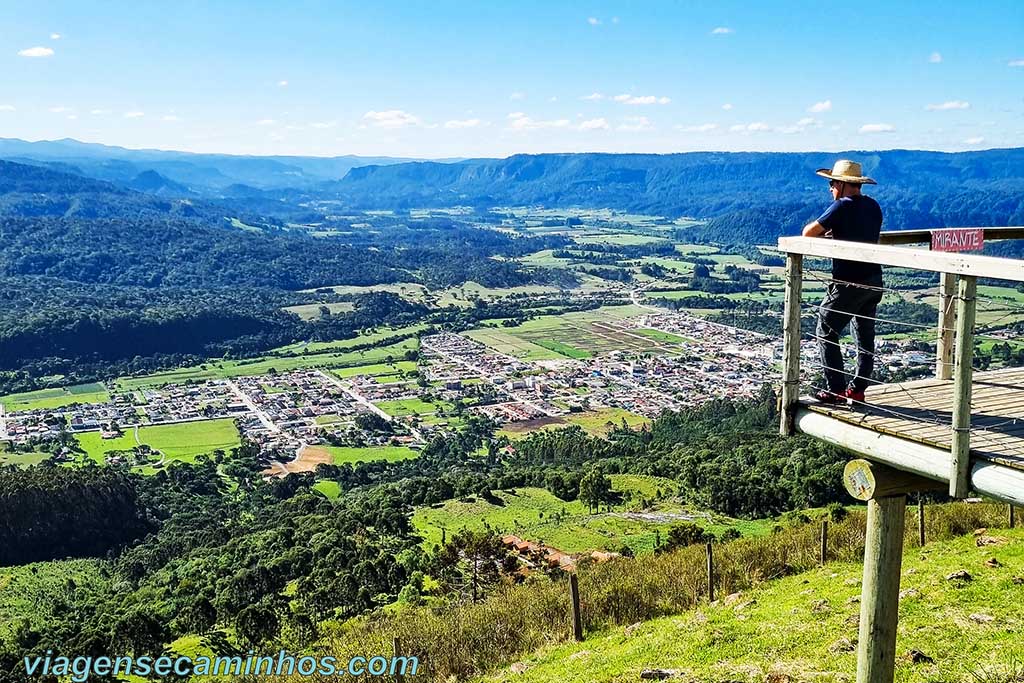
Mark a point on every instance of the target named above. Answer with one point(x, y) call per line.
point(1012, 516)
point(961, 449)
point(711, 572)
point(791, 343)
point(947, 319)
point(399, 677)
point(920, 521)
point(577, 618)
point(824, 542)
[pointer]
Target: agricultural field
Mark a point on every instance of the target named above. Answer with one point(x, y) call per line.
point(376, 369)
point(183, 441)
point(411, 406)
point(8, 457)
point(501, 339)
point(227, 369)
point(579, 335)
point(312, 311)
point(537, 515)
point(56, 398)
point(625, 239)
point(351, 455)
point(596, 423)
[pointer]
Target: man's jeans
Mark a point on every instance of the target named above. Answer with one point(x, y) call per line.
point(842, 303)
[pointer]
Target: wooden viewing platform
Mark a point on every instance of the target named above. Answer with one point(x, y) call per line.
point(962, 431)
point(920, 413)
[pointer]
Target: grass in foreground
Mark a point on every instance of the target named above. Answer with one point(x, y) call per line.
point(525, 623)
point(802, 627)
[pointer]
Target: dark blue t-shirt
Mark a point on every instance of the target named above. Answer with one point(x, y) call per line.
point(855, 219)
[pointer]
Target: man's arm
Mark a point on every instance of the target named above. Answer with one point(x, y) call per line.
point(814, 229)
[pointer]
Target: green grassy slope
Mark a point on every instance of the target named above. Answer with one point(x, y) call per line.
point(802, 627)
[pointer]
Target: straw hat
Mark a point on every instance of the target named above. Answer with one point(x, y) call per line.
point(846, 171)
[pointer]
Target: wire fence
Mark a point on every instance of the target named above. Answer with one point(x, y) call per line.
point(889, 398)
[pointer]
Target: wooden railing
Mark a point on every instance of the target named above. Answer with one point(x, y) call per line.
point(955, 342)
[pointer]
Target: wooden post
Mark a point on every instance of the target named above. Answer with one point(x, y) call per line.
point(920, 521)
point(947, 319)
point(1012, 516)
point(711, 573)
point(880, 593)
point(824, 542)
point(961, 449)
point(399, 677)
point(791, 343)
point(577, 618)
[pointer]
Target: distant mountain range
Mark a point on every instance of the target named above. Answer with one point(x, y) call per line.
point(754, 196)
point(744, 196)
point(186, 173)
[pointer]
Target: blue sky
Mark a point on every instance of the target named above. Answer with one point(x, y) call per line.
point(443, 78)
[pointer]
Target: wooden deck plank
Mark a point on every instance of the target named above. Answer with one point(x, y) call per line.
point(997, 406)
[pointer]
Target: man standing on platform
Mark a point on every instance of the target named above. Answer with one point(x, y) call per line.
point(856, 288)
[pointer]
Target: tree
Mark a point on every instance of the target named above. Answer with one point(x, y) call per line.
point(257, 623)
point(141, 631)
point(595, 488)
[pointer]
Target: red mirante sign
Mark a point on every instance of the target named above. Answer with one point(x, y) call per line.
point(958, 239)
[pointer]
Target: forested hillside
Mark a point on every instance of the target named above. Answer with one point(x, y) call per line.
point(94, 272)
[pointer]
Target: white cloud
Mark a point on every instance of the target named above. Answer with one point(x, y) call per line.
point(641, 99)
point(134, 114)
point(635, 124)
point(392, 118)
point(615, 20)
point(36, 52)
point(282, 84)
point(946, 106)
point(170, 117)
point(54, 36)
point(1015, 62)
point(593, 21)
point(520, 121)
point(727, 106)
point(517, 96)
point(463, 123)
point(593, 97)
point(974, 141)
point(935, 58)
point(702, 128)
point(59, 110)
point(72, 117)
point(756, 127)
point(819, 107)
point(266, 122)
point(323, 125)
point(808, 121)
point(594, 124)
point(553, 98)
point(876, 128)
point(7, 107)
point(99, 112)
point(722, 31)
